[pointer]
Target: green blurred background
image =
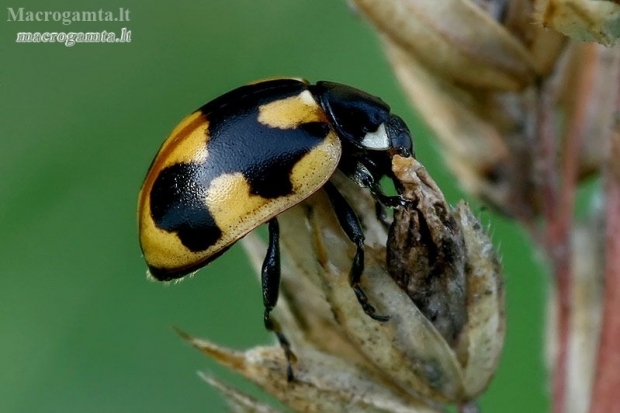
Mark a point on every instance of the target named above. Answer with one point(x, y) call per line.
point(81, 329)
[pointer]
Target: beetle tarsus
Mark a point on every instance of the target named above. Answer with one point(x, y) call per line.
point(273, 326)
point(366, 306)
point(290, 356)
point(393, 202)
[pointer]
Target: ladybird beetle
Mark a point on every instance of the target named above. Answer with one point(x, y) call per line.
point(250, 154)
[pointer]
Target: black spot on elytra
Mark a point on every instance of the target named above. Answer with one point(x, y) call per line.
point(237, 143)
point(177, 206)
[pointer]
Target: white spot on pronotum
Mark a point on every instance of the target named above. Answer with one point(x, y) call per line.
point(307, 98)
point(377, 139)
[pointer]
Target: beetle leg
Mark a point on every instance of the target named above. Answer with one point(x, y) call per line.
point(270, 279)
point(364, 178)
point(351, 226)
point(386, 200)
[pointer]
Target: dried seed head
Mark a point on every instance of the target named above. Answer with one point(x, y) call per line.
point(488, 81)
point(585, 20)
point(426, 253)
point(432, 351)
point(323, 383)
point(482, 339)
point(471, 303)
point(467, 45)
point(237, 401)
point(471, 128)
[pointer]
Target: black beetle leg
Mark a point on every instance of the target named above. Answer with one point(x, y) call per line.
point(270, 275)
point(386, 200)
point(364, 178)
point(351, 226)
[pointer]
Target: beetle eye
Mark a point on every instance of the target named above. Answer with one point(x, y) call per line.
point(399, 136)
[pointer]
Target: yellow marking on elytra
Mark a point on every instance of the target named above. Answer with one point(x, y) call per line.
point(188, 122)
point(186, 126)
point(161, 248)
point(309, 172)
point(230, 202)
point(186, 143)
point(236, 211)
point(189, 142)
point(291, 112)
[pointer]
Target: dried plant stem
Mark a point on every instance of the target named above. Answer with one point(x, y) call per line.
point(554, 238)
point(559, 181)
point(560, 234)
point(605, 396)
